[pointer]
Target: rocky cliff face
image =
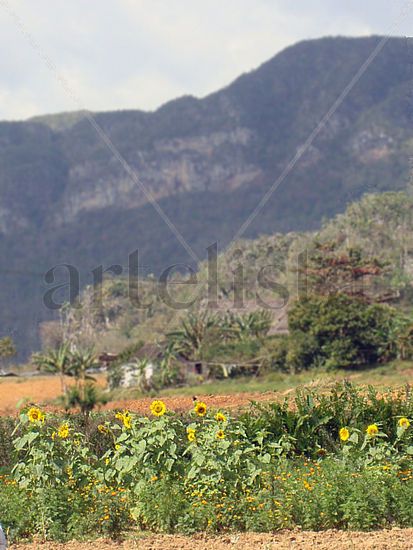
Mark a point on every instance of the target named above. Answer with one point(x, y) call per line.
point(210, 162)
point(64, 197)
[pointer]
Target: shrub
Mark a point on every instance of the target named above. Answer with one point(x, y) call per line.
point(339, 331)
point(276, 349)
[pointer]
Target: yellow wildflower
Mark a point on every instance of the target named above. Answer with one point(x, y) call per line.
point(158, 408)
point(344, 434)
point(404, 422)
point(191, 435)
point(63, 431)
point(200, 408)
point(127, 421)
point(35, 415)
point(103, 429)
point(220, 434)
point(219, 417)
point(372, 430)
point(125, 418)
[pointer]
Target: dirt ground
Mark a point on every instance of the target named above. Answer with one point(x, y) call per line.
point(16, 392)
point(306, 540)
point(185, 403)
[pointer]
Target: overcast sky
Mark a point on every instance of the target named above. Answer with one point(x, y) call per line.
point(138, 54)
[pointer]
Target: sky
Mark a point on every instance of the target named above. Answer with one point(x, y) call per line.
point(138, 54)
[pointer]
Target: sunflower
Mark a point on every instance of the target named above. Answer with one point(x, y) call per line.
point(103, 429)
point(372, 430)
point(127, 421)
point(220, 434)
point(63, 431)
point(219, 417)
point(404, 422)
point(125, 418)
point(191, 435)
point(158, 408)
point(344, 434)
point(35, 415)
point(200, 409)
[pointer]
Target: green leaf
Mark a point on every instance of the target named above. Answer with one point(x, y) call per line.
point(266, 459)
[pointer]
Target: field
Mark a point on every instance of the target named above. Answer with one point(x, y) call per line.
point(396, 539)
point(330, 468)
point(233, 393)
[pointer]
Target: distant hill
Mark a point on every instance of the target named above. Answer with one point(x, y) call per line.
point(208, 162)
point(378, 227)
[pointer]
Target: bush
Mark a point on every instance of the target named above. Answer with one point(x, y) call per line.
point(303, 350)
point(276, 350)
point(7, 426)
point(16, 511)
point(339, 331)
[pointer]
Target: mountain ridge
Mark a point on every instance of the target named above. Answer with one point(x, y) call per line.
point(208, 162)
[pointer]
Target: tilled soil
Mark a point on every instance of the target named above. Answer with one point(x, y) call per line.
point(15, 392)
point(185, 403)
point(306, 540)
point(37, 391)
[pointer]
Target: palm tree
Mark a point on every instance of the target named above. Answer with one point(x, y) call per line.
point(58, 361)
point(255, 323)
point(188, 339)
point(81, 362)
point(85, 394)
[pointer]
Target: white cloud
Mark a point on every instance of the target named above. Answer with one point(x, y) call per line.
point(140, 53)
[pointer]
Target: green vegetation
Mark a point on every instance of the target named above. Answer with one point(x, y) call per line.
point(349, 291)
point(7, 348)
point(66, 362)
point(336, 460)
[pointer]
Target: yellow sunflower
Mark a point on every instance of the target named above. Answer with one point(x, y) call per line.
point(125, 418)
point(372, 430)
point(404, 422)
point(158, 408)
point(127, 421)
point(220, 434)
point(63, 431)
point(200, 408)
point(35, 415)
point(219, 417)
point(103, 429)
point(191, 435)
point(344, 434)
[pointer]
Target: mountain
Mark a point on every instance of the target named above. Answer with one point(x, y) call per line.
point(65, 198)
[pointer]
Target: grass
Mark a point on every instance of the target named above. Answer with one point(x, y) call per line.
point(397, 373)
point(382, 376)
